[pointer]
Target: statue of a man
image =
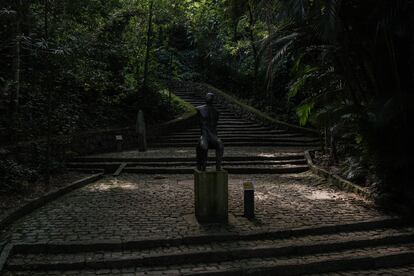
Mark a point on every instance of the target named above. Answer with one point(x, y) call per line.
point(208, 116)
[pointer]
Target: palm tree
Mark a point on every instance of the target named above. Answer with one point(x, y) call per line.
point(352, 62)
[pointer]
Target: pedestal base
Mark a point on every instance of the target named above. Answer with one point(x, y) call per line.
point(211, 196)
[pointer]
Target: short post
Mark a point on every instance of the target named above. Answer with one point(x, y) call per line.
point(248, 188)
point(141, 132)
point(119, 140)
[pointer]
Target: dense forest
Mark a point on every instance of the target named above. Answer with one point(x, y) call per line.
point(344, 68)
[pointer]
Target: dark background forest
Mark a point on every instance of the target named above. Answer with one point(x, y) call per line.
point(344, 68)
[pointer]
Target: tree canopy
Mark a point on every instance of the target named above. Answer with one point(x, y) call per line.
point(342, 67)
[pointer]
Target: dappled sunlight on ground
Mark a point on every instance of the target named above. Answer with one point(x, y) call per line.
point(272, 154)
point(113, 184)
point(322, 195)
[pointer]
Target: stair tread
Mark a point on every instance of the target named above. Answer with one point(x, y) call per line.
point(118, 160)
point(243, 138)
point(192, 161)
point(252, 256)
point(224, 246)
point(231, 170)
point(270, 166)
point(304, 145)
point(245, 134)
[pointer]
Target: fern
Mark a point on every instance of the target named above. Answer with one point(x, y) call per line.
point(303, 112)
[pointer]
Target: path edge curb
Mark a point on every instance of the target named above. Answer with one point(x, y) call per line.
point(34, 204)
point(4, 255)
point(336, 180)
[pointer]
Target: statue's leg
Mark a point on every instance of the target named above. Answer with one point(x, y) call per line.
point(203, 153)
point(219, 154)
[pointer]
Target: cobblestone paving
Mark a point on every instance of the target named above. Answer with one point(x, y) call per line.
point(133, 207)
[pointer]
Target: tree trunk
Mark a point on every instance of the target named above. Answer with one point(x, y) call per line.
point(14, 96)
point(253, 45)
point(148, 46)
point(49, 100)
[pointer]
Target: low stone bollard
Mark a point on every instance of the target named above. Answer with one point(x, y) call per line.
point(119, 142)
point(211, 196)
point(248, 188)
point(141, 132)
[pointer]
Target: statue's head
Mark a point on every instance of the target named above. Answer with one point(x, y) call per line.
point(210, 98)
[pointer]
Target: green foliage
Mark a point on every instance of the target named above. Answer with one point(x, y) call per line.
point(15, 177)
point(349, 72)
point(344, 67)
point(81, 67)
point(304, 112)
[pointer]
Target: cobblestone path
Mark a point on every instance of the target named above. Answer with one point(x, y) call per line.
point(105, 223)
point(134, 206)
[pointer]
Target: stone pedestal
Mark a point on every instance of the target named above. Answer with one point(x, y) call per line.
point(211, 196)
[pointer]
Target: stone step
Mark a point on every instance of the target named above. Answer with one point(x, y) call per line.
point(367, 259)
point(230, 116)
point(225, 163)
point(237, 123)
point(239, 131)
point(387, 246)
point(306, 145)
point(376, 224)
point(235, 131)
point(236, 128)
point(282, 169)
point(240, 134)
point(211, 163)
point(188, 168)
point(196, 103)
point(228, 126)
point(404, 270)
point(192, 99)
point(285, 156)
point(189, 163)
point(396, 271)
point(242, 139)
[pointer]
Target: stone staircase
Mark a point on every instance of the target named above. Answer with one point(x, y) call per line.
point(234, 130)
point(236, 133)
point(292, 163)
point(382, 247)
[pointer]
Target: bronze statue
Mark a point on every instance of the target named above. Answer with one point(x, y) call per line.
point(208, 116)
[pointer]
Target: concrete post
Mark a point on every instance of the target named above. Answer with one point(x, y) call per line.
point(211, 196)
point(248, 188)
point(141, 131)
